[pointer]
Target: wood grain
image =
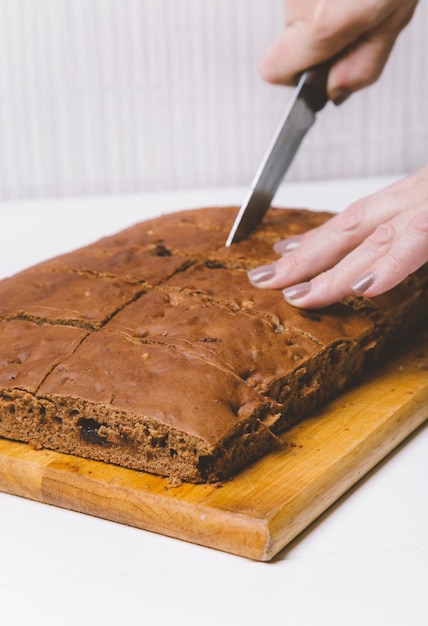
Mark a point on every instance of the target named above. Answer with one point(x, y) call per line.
point(261, 510)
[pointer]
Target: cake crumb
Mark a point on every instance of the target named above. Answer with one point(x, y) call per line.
point(35, 445)
point(173, 482)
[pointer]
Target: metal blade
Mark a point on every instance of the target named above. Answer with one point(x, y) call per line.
point(297, 120)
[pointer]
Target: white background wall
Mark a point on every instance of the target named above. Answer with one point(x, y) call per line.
point(100, 96)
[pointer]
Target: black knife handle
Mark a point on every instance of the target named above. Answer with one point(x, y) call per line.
point(314, 90)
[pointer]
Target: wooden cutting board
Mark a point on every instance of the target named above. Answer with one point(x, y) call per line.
point(260, 511)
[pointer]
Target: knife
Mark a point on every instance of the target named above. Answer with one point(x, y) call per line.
point(309, 97)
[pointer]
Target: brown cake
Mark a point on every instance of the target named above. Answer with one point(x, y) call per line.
point(150, 349)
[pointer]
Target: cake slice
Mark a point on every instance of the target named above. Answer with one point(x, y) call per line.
point(155, 407)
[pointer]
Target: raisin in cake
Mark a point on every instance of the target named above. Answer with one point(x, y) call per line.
point(150, 349)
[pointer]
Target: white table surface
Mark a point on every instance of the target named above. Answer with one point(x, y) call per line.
point(363, 562)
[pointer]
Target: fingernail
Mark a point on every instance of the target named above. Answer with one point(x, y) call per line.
point(297, 291)
point(286, 245)
point(339, 96)
point(262, 274)
point(363, 283)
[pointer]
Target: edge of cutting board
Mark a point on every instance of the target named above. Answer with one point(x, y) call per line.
point(257, 513)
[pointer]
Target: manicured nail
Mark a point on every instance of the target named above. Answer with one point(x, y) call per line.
point(296, 291)
point(363, 283)
point(286, 245)
point(339, 96)
point(262, 274)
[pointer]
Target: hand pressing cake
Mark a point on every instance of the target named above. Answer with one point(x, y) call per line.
point(151, 350)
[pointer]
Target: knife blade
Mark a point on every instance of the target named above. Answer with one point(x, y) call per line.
point(309, 97)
